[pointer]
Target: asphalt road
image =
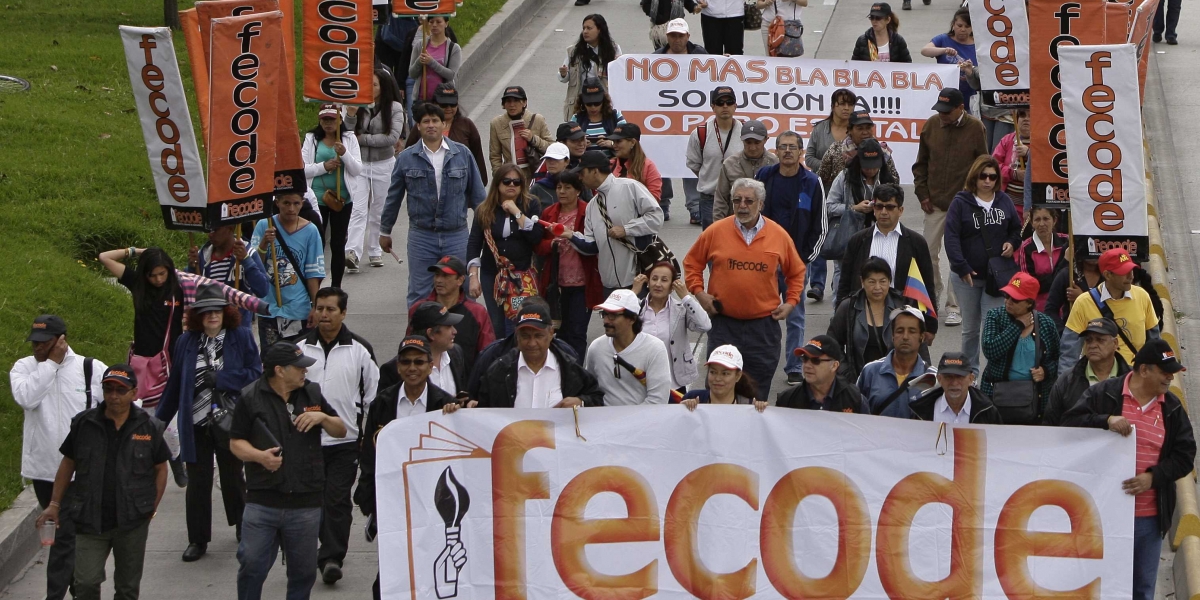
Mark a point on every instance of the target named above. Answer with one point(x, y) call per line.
point(377, 308)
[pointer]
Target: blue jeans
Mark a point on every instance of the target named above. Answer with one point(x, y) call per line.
point(1147, 546)
point(425, 248)
point(263, 529)
point(706, 210)
point(818, 270)
point(691, 199)
point(974, 304)
point(795, 329)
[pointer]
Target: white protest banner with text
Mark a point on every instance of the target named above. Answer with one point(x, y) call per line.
point(166, 126)
point(1002, 48)
point(1105, 161)
point(726, 502)
point(667, 96)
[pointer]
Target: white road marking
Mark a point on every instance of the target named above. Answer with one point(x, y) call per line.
point(493, 94)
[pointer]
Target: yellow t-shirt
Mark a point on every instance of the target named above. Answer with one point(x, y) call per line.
point(1134, 315)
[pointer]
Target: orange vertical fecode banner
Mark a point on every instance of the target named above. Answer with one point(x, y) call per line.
point(339, 51)
point(1139, 36)
point(1051, 23)
point(1118, 18)
point(244, 70)
point(198, 60)
point(410, 8)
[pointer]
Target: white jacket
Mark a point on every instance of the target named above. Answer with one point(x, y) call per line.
point(349, 379)
point(724, 9)
point(685, 315)
point(51, 394)
point(356, 178)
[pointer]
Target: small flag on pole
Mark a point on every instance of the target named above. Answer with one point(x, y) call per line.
point(915, 289)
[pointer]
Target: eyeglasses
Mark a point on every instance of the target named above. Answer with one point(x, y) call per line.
point(886, 207)
point(724, 103)
point(989, 176)
point(118, 389)
point(743, 201)
point(512, 182)
point(413, 362)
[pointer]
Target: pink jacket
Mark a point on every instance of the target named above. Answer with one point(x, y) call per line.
point(650, 176)
point(1005, 154)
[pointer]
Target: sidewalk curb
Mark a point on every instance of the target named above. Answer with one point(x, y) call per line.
point(18, 537)
point(485, 46)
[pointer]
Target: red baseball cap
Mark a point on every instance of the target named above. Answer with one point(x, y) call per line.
point(1023, 286)
point(1116, 260)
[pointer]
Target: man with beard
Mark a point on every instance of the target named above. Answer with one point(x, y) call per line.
point(631, 366)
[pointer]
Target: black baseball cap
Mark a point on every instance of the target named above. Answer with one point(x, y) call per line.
point(861, 117)
point(514, 91)
point(948, 99)
point(570, 131)
point(880, 9)
point(870, 154)
point(46, 328)
point(287, 354)
point(535, 316)
point(592, 92)
point(450, 265)
point(593, 159)
point(432, 314)
point(122, 374)
point(446, 94)
point(954, 363)
point(415, 342)
point(1102, 326)
point(722, 91)
point(822, 345)
point(1158, 351)
point(626, 131)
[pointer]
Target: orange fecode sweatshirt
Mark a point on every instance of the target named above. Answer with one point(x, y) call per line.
point(743, 277)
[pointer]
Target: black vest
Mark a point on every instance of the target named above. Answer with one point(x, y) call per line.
point(136, 489)
point(303, 470)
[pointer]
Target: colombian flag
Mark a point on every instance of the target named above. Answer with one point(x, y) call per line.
point(915, 289)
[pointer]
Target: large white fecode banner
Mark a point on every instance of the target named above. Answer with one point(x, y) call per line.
point(667, 96)
point(166, 125)
point(725, 502)
point(1002, 48)
point(1105, 161)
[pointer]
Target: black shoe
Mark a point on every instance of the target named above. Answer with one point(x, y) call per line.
point(907, 5)
point(1157, 37)
point(817, 294)
point(194, 552)
point(332, 572)
point(794, 378)
point(180, 473)
point(926, 2)
point(1172, 42)
point(577, 3)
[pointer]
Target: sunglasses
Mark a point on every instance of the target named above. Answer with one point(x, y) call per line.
point(875, 18)
point(724, 103)
point(805, 358)
point(512, 182)
point(989, 176)
point(411, 362)
point(592, 103)
point(886, 207)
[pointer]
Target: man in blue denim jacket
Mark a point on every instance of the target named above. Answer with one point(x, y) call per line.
point(442, 181)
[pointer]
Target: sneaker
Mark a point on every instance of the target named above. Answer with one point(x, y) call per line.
point(953, 319)
point(907, 5)
point(816, 293)
point(331, 573)
point(376, 261)
point(351, 261)
point(795, 378)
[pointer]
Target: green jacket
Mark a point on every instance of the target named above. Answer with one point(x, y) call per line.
point(1000, 335)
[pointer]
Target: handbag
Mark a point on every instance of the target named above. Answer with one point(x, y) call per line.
point(513, 286)
point(221, 417)
point(1018, 401)
point(1000, 269)
point(752, 18)
point(784, 36)
point(648, 250)
point(837, 239)
point(332, 199)
point(152, 372)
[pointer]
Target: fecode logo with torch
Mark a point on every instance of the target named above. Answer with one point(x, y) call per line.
point(730, 503)
point(244, 68)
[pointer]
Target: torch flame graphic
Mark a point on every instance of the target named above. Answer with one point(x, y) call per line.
point(452, 501)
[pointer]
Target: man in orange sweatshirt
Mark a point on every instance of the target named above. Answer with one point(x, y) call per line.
point(743, 253)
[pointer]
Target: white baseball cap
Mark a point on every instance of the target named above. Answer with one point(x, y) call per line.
point(621, 301)
point(677, 26)
point(727, 356)
point(557, 151)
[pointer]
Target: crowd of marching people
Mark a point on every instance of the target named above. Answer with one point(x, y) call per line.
point(245, 355)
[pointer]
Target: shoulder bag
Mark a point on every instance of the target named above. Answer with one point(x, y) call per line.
point(221, 417)
point(152, 372)
point(513, 286)
point(784, 36)
point(648, 249)
point(1018, 401)
point(752, 17)
point(1000, 269)
point(1107, 313)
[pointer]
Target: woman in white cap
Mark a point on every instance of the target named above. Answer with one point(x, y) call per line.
point(631, 160)
point(727, 382)
point(545, 178)
point(334, 169)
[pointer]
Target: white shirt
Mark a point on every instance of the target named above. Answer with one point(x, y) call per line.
point(942, 413)
point(883, 245)
point(408, 408)
point(751, 233)
point(1105, 296)
point(985, 204)
point(438, 159)
point(657, 324)
point(442, 376)
point(538, 390)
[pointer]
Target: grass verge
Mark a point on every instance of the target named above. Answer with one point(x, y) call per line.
point(74, 180)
